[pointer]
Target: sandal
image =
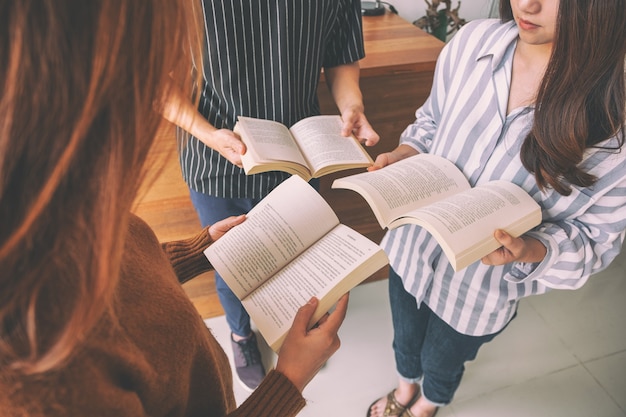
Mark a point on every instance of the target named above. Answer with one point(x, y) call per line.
point(393, 407)
point(408, 413)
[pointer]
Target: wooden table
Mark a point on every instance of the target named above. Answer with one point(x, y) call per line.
point(396, 76)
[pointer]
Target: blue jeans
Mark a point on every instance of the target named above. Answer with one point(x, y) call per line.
point(426, 348)
point(210, 210)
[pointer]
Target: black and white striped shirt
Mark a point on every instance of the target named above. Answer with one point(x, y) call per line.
point(264, 60)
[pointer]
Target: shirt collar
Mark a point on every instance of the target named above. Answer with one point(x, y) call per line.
point(498, 43)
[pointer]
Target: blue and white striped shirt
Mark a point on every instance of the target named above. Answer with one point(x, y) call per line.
point(465, 120)
point(264, 60)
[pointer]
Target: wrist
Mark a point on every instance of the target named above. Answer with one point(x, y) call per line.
point(296, 380)
point(354, 108)
point(206, 135)
point(537, 251)
point(402, 152)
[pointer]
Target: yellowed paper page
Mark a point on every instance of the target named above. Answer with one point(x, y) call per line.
point(269, 141)
point(463, 224)
point(291, 218)
point(321, 142)
point(329, 268)
point(406, 185)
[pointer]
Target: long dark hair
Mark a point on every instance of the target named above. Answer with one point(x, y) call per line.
point(81, 87)
point(581, 99)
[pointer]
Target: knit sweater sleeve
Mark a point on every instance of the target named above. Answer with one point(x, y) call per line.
point(275, 397)
point(187, 257)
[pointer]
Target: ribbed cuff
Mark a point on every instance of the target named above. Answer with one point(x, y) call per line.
point(275, 397)
point(187, 257)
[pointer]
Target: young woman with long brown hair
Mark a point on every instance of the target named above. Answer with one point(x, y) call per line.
point(93, 320)
point(537, 98)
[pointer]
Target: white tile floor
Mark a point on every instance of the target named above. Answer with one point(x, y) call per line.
point(564, 355)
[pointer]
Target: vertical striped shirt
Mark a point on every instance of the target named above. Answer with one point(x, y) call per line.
point(465, 120)
point(263, 60)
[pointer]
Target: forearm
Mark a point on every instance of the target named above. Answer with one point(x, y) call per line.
point(182, 112)
point(343, 83)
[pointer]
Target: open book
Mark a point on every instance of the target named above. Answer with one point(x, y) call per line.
point(432, 192)
point(292, 247)
point(313, 147)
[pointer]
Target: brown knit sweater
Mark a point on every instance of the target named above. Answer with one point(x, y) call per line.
point(158, 360)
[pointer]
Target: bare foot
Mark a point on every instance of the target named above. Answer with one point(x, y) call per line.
point(422, 408)
point(403, 395)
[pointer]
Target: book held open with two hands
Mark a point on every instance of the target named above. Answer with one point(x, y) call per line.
point(430, 191)
point(290, 248)
point(313, 147)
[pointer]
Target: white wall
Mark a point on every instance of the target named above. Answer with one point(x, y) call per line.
point(412, 10)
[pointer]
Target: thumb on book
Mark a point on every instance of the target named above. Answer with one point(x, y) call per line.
point(304, 315)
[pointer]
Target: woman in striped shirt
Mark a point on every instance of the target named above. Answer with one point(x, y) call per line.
point(536, 98)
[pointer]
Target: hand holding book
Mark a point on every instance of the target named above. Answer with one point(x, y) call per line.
point(292, 247)
point(312, 148)
point(432, 192)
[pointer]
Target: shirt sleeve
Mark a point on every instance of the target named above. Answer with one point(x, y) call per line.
point(345, 44)
point(587, 235)
point(275, 397)
point(187, 256)
point(420, 134)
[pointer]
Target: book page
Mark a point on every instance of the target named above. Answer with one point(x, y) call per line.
point(405, 185)
point(268, 140)
point(320, 271)
point(321, 142)
point(463, 224)
point(286, 222)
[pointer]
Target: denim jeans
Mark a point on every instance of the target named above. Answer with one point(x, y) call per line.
point(210, 210)
point(427, 350)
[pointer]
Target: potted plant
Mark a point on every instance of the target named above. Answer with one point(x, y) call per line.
point(440, 22)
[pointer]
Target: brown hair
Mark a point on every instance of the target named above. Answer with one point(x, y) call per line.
point(81, 86)
point(581, 99)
